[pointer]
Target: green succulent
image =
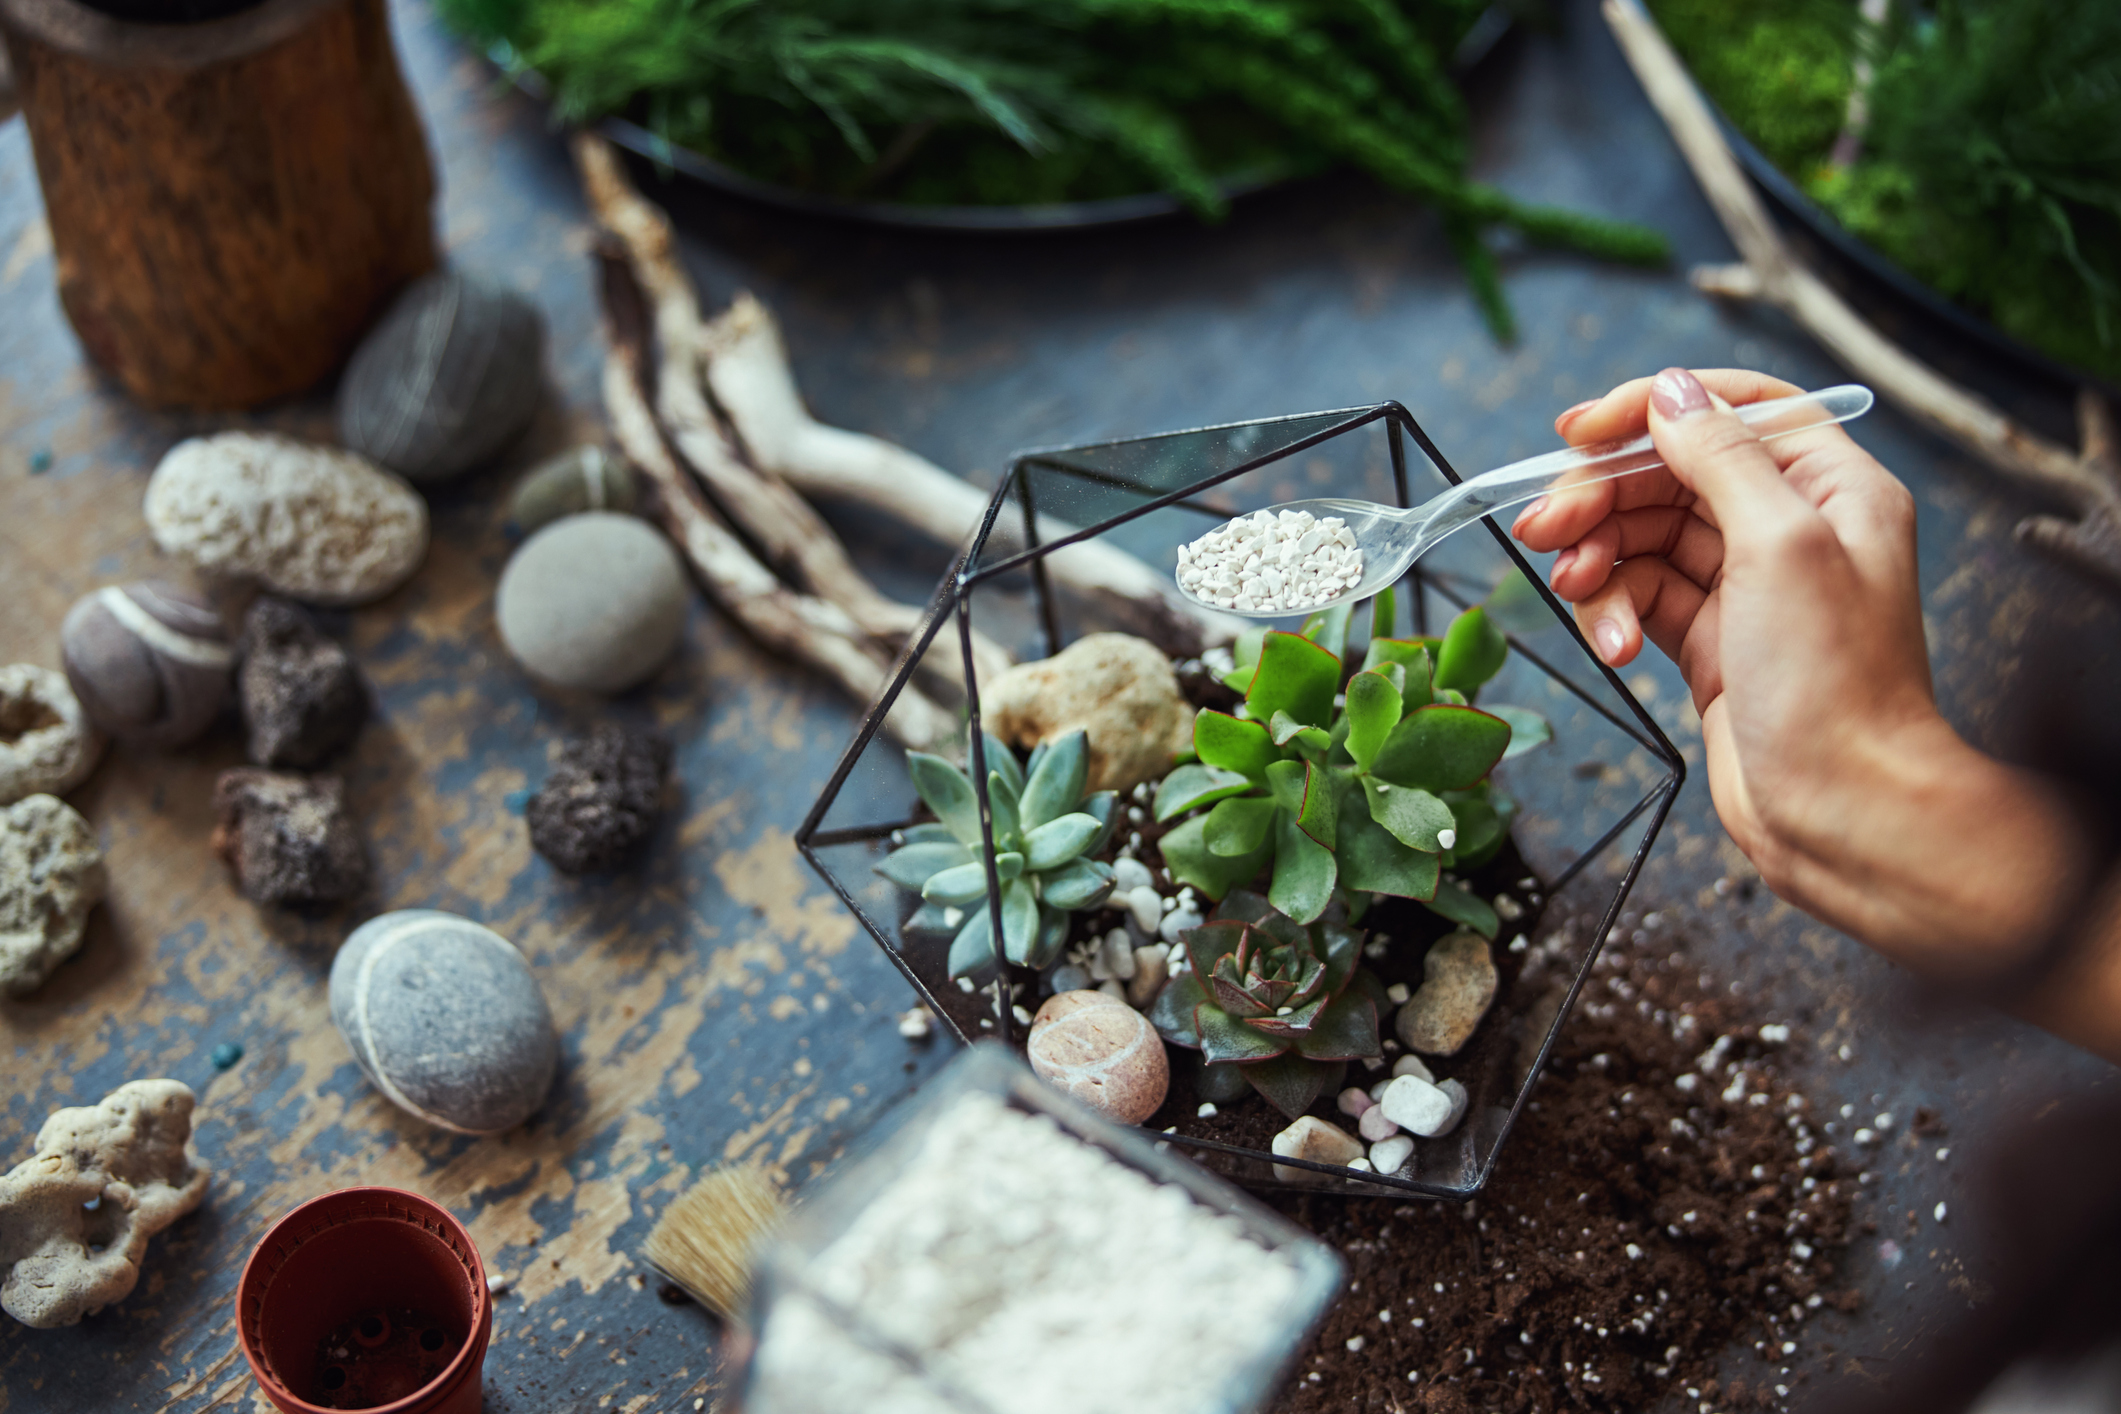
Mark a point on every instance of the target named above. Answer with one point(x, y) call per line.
point(1377, 790)
point(1046, 827)
point(1284, 1002)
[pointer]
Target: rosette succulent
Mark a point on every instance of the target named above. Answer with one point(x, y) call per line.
point(1046, 827)
point(1284, 1002)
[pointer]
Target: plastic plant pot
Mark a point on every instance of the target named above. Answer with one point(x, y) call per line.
point(1591, 803)
point(355, 1300)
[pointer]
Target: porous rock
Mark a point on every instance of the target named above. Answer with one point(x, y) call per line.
point(1101, 1051)
point(1117, 688)
point(318, 524)
point(47, 743)
point(149, 662)
point(595, 601)
point(581, 479)
point(601, 800)
point(302, 697)
point(1313, 1138)
point(1458, 985)
point(75, 1217)
point(446, 378)
point(51, 875)
point(444, 1017)
point(288, 839)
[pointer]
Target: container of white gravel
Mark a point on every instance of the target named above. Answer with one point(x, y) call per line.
point(1004, 1250)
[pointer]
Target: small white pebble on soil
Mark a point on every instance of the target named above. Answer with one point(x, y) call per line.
point(1865, 1136)
point(1023, 1018)
point(1270, 562)
point(1774, 1034)
point(964, 984)
point(1447, 839)
point(1940, 1212)
point(496, 1284)
point(916, 1024)
point(1397, 994)
point(1883, 1123)
point(1943, 1154)
point(1355, 1345)
point(1207, 1109)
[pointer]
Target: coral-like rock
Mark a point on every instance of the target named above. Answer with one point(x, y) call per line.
point(288, 838)
point(75, 1218)
point(47, 744)
point(1118, 688)
point(601, 801)
point(301, 694)
point(51, 875)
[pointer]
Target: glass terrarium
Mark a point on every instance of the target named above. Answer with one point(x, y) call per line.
point(1583, 810)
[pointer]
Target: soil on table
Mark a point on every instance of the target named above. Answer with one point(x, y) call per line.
point(1638, 1225)
point(380, 1357)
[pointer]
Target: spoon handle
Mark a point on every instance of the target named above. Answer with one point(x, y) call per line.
point(1602, 461)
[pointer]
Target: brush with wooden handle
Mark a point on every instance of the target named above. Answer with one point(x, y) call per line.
point(707, 1239)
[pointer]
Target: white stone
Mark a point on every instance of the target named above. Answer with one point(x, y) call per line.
point(1151, 967)
point(1414, 1104)
point(1147, 906)
point(1178, 922)
point(1391, 1155)
point(1313, 1139)
point(1352, 1102)
point(1374, 1124)
point(1116, 952)
point(1411, 1064)
point(1397, 994)
point(1129, 875)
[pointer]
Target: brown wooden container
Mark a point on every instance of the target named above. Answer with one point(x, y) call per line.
point(231, 201)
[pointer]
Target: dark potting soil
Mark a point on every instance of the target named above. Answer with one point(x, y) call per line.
point(380, 1357)
point(1638, 1226)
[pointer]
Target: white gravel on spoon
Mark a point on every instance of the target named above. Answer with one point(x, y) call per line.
point(1272, 563)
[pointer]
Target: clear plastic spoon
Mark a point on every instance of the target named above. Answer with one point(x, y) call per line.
point(1391, 539)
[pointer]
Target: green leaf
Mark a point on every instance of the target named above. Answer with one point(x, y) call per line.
point(1001, 800)
point(1076, 885)
point(926, 833)
point(1058, 841)
point(973, 947)
point(1245, 654)
point(1056, 787)
point(1295, 676)
point(1477, 823)
point(1289, 1082)
point(1285, 729)
point(1244, 747)
point(1001, 758)
point(1473, 650)
point(1210, 943)
point(1328, 628)
point(1373, 710)
point(1527, 728)
point(1224, 1038)
point(1412, 815)
point(1019, 920)
point(1303, 871)
point(1395, 674)
point(1239, 827)
point(1345, 1029)
point(1190, 861)
point(1384, 613)
point(948, 792)
point(1515, 607)
point(1190, 787)
point(1442, 747)
point(1103, 807)
point(1172, 1011)
point(933, 920)
point(960, 885)
point(1052, 937)
point(1412, 655)
point(1457, 903)
point(1373, 860)
point(912, 866)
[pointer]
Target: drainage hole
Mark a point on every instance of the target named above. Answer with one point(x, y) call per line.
point(431, 1340)
point(334, 1377)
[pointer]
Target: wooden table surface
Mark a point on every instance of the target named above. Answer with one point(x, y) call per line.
point(716, 1002)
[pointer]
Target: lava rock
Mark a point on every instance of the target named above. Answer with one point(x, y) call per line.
point(446, 378)
point(1457, 988)
point(1117, 688)
point(47, 743)
point(582, 479)
point(288, 838)
point(595, 601)
point(1101, 1051)
point(444, 1017)
point(601, 801)
point(302, 697)
point(1313, 1138)
point(149, 662)
point(51, 875)
point(318, 524)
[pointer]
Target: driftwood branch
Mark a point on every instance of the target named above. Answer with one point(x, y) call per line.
point(2088, 480)
point(787, 531)
point(802, 626)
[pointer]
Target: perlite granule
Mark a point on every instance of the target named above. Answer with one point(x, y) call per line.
point(1033, 1274)
point(1272, 562)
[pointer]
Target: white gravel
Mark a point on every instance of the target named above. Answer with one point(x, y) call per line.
point(1272, 562)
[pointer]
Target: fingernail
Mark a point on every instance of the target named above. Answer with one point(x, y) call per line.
point(1562, 562)
point(1611, 641)
point(1677, 393)
point(1527, 513)
point(1576, 411)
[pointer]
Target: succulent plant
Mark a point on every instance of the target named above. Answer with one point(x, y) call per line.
point(1286, 1003)
point(1045, 826)
point(1345, 796)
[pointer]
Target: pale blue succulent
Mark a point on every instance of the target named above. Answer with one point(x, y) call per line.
point(1046, 827)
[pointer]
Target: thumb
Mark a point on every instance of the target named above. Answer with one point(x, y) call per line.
point(1723, 462)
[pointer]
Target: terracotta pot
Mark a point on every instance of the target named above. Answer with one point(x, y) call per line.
point(323, 1306)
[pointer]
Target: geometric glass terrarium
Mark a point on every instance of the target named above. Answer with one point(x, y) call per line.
point(1589, 804)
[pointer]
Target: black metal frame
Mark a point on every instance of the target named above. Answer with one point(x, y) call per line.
point(953, 599)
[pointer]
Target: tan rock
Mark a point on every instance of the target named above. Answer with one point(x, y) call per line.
point(1152, 964)
point(1314, 1139)
point(1101, 1051)
point(76, 1216)
point(1117, 688)
point(1458, 986)
point(51, 875)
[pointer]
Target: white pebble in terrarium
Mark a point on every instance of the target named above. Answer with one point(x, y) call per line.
point(1272, 562)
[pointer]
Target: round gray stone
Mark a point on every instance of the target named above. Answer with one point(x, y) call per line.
point(149, 662)
point(595, 601)
point(447, 377)
point(444, 1017)
point(581, 479)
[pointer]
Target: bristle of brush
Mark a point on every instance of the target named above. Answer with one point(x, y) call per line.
point(705, 1239)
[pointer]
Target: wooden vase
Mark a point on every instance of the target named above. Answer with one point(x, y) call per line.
point(231, 201)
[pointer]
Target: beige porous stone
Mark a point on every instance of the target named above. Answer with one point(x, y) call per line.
point(1458, 986)
point(1314, 1139)
point(1117, 688)
point(1096, 1048)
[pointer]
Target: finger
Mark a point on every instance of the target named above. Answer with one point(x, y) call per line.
point(1644, 597)
point(1625, 411)
point(1723, 461)
point(1566, 514)
point(1683, 540)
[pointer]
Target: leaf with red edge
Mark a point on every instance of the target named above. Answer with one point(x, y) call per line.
point(1224, 1038)
point(1172, 1011)
point(1442, 747)
point(1210, 942)
point(1345, 1029)
point(1289, 1082)
point(1295, 676)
